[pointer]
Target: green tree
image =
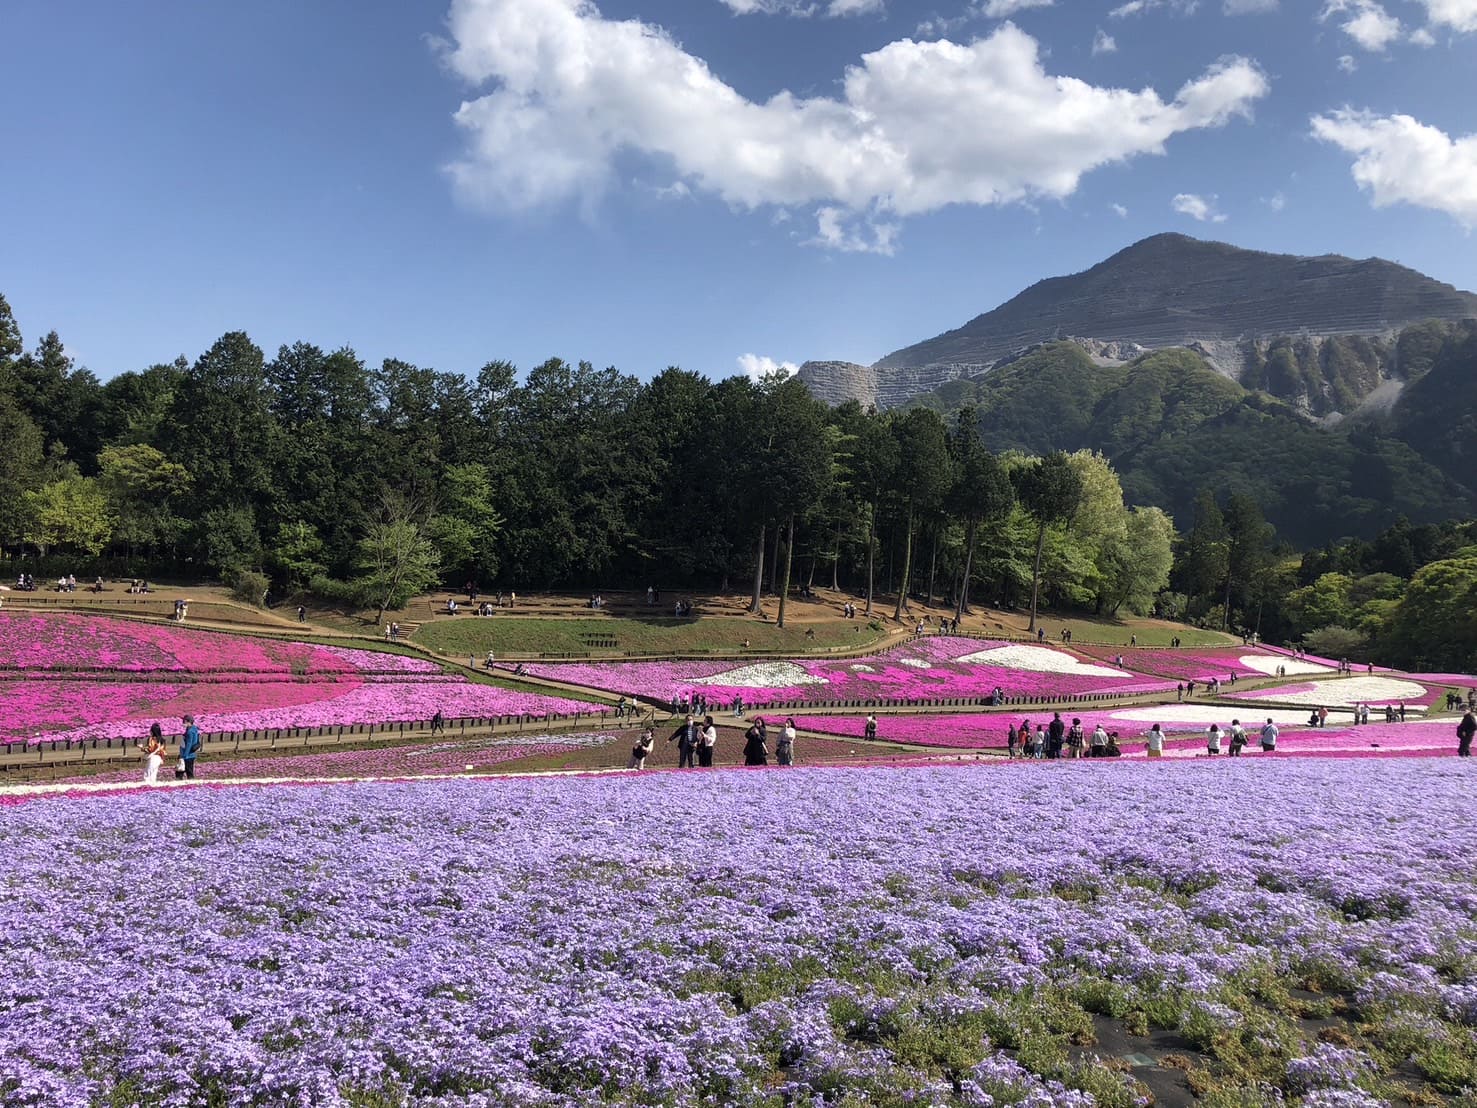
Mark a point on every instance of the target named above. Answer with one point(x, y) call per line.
point(1137, 564)
point(1432, 627)
point(297, 553)
point(920, 480)
point(1049, 490)
point(981, 491)
point(465, 528)
point(396, 561)
point(70, 513)
point(870, 458)
point(142, 485)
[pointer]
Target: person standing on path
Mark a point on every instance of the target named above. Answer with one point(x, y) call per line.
point(1056, 732)
point(784, 748)
point(1269, 737)
point(1155, 745)
point(1011, 739)
point(870, 730)
point(756, 752)
point(1464, 732)
point(189, 747)
point(687, 737)
point(709, 743)
point(1213, 739)
point(1238, 738)
point(153, 754)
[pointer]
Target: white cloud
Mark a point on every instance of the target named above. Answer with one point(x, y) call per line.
point(1138, 7)
point(1399, 160)
point(1347, 63)
point(1422, 36)
point(835, 229)
point(1103, 43)
point(1249, 7)
point(999, 9)
point(574, 93)
point(1277, 201)
point(755, 366)
point(1201, 208)
point(1119, 210)
point(1459, 15)
point(1367, 22)
point(803, 8)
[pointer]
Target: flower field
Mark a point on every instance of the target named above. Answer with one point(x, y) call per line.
point(80, 677)
point(1346, 692)
point(879, 937)
point(926, 669)
point(1194, 664)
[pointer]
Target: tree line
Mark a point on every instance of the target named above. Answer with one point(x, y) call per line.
point(312, 471)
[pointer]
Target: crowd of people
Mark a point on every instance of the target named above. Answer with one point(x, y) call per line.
point(697, 741)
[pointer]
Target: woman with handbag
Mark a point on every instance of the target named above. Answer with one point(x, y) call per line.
point(153, 754)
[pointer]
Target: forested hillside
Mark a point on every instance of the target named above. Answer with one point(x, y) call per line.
point(1170, 425)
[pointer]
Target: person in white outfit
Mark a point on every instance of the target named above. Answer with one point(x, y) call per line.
point(1213, 739)
point(153, 754)
point(1269, 736)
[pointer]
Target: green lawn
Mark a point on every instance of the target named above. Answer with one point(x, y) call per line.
point(508, 634)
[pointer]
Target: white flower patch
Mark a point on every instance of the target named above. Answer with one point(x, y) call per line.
point(1039, 659)
point(763, 675)
point(914, 663)
point(862, 667)
point(1172, 717)
point(1268, 664)
point(1347, 691)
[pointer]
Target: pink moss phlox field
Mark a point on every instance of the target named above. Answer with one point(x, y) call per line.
point(1187, 664)
point(926, 669)
point(423, 759)
point(666, 938)
point(65, 641)
point(969, 731)
point(1374, 740)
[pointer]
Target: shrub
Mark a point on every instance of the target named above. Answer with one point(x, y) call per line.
point(249, 586)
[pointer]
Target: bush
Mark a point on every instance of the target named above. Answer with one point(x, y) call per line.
point(346, 593)
point(249, 586)
point(1335, 641)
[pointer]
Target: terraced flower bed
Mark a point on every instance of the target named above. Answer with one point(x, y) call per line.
point(1346, 692)
point(879, 937)
point(81, 677)
point(927, 669)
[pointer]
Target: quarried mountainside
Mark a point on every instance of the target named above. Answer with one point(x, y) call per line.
point(1314, 331)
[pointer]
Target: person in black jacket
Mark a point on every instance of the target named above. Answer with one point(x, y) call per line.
point(686, 737)
point(756, 750)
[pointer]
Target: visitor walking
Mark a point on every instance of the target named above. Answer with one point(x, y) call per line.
point(153, 754)
point(756, 748)
point(1011, 739)
point(709, 743)
point(784, 749)
point(438, 723)
point(1269, 737)
point(189, 747)
point(1100, 741)
point(870, 730)
point(688, 737)
point(1464, 732)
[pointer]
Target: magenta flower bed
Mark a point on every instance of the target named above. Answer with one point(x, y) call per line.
point(256, 706)
point(399, 762)
point(967, 732)
point(62, 641)
point(1466, 680)
point(929, 669)
point(1183, 665)
point(1374, 740)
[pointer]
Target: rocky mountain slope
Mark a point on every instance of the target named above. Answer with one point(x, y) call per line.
point(1313, 331)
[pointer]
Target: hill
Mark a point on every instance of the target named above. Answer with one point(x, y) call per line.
point(1313, 331)
point(1172, 425)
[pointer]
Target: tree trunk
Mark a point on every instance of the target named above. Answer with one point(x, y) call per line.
point(758, 572)
point(1036, 574)
point(871, 553)
point(836, 561)
point(789, 557)
point(933, 564)
point(1226, 607)
point(810, 577)
point(962, 602)
point(902, 593)
point(774, 562)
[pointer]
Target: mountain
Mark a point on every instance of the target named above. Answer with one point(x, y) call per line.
point(1314, 331)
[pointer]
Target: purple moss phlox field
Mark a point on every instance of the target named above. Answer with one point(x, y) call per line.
point(572, 941)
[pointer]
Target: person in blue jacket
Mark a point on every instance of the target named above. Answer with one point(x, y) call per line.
point(189, 747)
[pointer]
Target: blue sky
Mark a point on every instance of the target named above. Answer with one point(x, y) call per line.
point(705, 183)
